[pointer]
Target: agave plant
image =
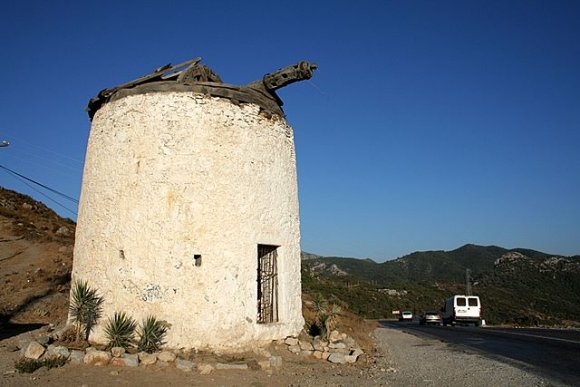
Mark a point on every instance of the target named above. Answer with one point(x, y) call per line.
point(331, 317)
point(151, 334)
point(323, 326)
point(120, 330)
point(85, 308)
point(319, 303)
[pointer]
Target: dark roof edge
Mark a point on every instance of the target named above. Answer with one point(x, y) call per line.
point(192, 77)
point(236, 94)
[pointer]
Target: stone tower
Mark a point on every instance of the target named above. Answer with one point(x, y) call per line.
point(189, 207)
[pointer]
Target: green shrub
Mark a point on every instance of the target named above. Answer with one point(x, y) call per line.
point(85, 308)
point(28, 366)
point(120, 330)
point(330, 319)
point(319, 303)
point(151, 334)
point(326, 316)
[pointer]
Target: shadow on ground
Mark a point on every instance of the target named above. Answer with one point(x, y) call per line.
point(8, 329)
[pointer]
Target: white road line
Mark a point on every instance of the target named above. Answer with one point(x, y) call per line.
point(542, 337)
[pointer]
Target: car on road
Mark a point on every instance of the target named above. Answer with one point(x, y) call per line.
point(406, 316)
point(430, 317)
point(462, 309)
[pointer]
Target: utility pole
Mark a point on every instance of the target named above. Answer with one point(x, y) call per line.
point(468, 282)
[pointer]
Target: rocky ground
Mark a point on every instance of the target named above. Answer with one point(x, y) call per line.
point(400, 360)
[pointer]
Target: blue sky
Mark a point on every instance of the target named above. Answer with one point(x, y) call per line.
point(430, 124)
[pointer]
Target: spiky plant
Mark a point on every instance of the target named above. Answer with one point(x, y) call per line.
point(330, 319)
point(319, 303)
point(85, 308)
point(120, 330)
point(151, 334)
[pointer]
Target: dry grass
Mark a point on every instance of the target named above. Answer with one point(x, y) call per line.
point(347, 322)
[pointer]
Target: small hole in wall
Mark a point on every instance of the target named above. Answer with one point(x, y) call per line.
point(122, 254)
point(197, 259)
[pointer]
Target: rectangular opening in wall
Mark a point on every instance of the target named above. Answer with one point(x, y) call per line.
point(197, 259)
point(267, 284)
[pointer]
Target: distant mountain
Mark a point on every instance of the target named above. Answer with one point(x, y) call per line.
point(306, 256)
point(447, 265)
point(424, 265)
point(532, 289)
point(519, 286)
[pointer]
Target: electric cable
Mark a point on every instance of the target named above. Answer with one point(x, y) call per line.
point(46, 196)
point(20, 159)
point(40, 184)
point(20, 140)
point(26, 179)
point(40, 159)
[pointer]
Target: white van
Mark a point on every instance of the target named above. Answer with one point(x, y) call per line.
point(460, 309)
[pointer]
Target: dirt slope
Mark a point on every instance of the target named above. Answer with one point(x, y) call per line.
point(35, 261)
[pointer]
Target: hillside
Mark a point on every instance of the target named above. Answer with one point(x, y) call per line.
point(532, 289)
point(35, 260)
point(425, 265)
point(518, 286)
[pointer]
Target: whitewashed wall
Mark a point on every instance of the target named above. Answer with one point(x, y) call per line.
point(173, 174)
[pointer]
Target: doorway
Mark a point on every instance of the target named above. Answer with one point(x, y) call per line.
point(267, 284)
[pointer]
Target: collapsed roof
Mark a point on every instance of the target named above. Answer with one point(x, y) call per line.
point(192, 76)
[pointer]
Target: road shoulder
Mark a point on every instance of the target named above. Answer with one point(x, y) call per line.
point(412, 360)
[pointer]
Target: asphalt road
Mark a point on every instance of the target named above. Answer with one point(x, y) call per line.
point(553, 353)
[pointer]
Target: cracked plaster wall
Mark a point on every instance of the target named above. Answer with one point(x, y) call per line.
point(171, 175)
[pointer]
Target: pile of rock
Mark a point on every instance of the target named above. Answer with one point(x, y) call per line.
point(118, 357)
point(340, 348)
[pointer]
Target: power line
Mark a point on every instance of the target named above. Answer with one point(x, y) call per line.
point(20, 158)
point(48, 197)
point(43, 159)
point(26, 180)
point(20, 140)
point(41, 185)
